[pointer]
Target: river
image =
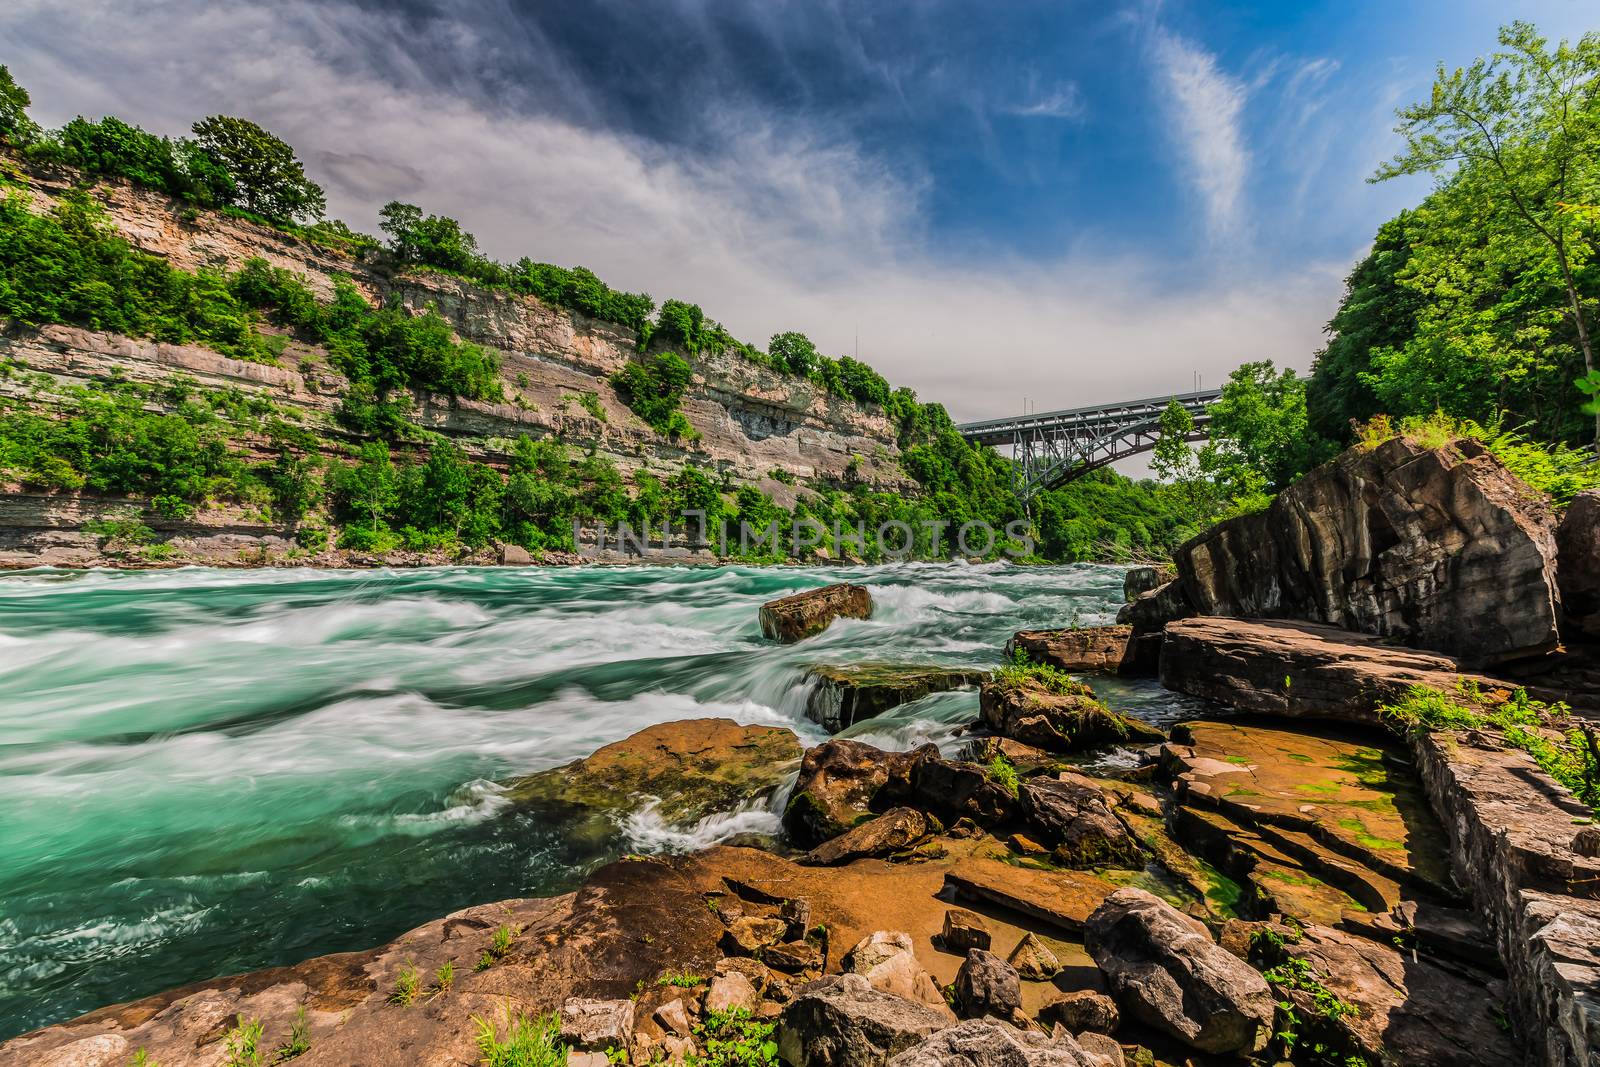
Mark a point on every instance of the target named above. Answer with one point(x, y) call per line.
point(211, 771)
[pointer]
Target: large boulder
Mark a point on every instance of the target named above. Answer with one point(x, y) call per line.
point(841, 1021)
point(1141, 580)
point(1578, 563)
point(1056, 717)
point(837, 785)
point(694, 767)
point(1149, 612)
point(1166, 971)
point(794, 618)
point(1440, 548)
point(986, 1043)
point(1071, 814)
point(844, 695)
point(956, 790)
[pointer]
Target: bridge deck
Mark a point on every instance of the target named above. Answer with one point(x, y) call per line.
point(1006, 431)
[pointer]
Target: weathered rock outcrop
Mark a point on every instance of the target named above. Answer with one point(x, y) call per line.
point(1091, 648)
point(1512, 832)
point(843, 695)
point(888, 961)
point(794, 618)
point(1409, 1011)
point(837, 785)
point(693, 767)
point(1439, 548)
point(1071, 814)
point(1167, 972)
point(1035, 714)
point(1578, 563)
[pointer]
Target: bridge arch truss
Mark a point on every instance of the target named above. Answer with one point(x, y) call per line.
point(1052, 448)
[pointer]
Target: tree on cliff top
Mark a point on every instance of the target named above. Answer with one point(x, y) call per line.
point(1519, 132)
point(15, 125)
point(268, 180)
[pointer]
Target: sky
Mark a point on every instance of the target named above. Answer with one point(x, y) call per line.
point(999, 203)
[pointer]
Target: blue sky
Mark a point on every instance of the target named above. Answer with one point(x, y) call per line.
point(1057, 202)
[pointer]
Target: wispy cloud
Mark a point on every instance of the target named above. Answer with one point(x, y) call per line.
point(1206, 120)
point(782, 224)
point(1063, 102)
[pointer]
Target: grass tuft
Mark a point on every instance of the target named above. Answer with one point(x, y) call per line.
point(527, 1042)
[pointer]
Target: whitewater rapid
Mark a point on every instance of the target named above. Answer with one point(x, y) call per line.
point(204, 771)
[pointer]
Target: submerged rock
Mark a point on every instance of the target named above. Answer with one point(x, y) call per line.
point(694, 768)
point(1056, 719)
point(794, 618)
point(1167, 972)
point(844, 695)
point(1440, 548)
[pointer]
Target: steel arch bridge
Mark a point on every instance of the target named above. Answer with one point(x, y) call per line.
point(1052, 448)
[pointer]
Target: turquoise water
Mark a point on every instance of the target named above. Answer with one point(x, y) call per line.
point(205, 772)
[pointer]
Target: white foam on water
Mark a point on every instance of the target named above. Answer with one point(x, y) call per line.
point(646, 831)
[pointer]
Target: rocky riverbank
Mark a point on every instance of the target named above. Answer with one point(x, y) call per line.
point(1299, 878)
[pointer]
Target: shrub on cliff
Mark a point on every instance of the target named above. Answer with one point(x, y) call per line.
point(653, 387)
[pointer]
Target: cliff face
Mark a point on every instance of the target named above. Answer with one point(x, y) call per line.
point(752, 421)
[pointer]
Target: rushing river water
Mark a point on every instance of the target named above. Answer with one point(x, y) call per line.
point(204, 772)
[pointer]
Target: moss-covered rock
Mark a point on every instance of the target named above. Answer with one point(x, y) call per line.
point(1048, 711)
point(843, 695)
point(694, 768)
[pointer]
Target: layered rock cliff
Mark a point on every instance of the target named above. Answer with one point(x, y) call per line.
point(756, 425)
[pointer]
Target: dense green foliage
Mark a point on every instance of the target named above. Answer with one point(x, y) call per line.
point(1557, 470)
point(653, 388)
point(1480, 302)
point(1528, 724)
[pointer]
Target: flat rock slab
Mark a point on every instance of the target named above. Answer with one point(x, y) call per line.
point(1297, 669)
point(844, 695)
point(1062, 899)
point(1312, 794)
point(794, 618)
point(695, 767)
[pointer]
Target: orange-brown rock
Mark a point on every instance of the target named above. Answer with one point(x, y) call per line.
point(1090, 648)
point(794, 618)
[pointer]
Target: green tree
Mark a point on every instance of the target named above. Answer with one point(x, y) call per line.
point(267, 178)
point(1520, 131)
point(430, 240)
point(1262, 413)
point(370, 487)
point(15, 125)
point(794, 352)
